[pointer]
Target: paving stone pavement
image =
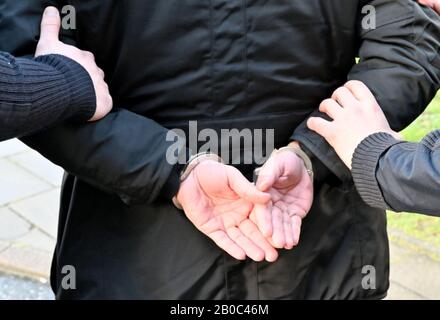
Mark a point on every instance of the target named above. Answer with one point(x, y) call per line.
point(29, 200)
point(21, 288)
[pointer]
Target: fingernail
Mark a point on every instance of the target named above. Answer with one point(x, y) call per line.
point(51, 12)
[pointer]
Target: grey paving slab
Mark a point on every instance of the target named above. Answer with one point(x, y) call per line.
point(10, 147)
point(12, 226)
point(398, 292)
point(16, 183)
point(416, 272)
point(36, 239)
point(26, 260)
point(40, 166)
point(3, 245)
point(41, 210)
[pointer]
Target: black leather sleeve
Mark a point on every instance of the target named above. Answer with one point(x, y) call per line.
point(400, 176)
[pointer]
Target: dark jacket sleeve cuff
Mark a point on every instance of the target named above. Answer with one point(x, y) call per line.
point(364, 166)
point(172, 185)
point(82, 104)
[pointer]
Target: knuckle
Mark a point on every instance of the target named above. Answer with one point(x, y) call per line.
point(89, 55)
point(337, 91)
point(353, 83)
point(340, 91)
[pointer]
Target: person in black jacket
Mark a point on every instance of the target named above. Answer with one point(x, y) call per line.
point(227, 65)
point(60, 83)
point(389, 173)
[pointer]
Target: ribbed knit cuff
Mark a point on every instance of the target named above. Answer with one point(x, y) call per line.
point(432, 140)
point(364, 166)
point(82, 104)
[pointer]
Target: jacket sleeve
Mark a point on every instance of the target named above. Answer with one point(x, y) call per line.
point(124, 154)
point(400, 176)
point(399, 62)
point(41, 92)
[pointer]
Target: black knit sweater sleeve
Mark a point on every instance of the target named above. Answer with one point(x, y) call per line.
point(397, 175)
point(38, 93)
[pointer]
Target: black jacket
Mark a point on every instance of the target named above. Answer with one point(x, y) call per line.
point(38, 93)
point(227, 64)
point(398, 175)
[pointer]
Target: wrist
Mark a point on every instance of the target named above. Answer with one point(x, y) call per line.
point(188, 171)
point(295, 148)
point(82, 96)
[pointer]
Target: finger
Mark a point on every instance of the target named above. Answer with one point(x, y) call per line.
point(288, 231)
point(251, 250)
point(359, 90)
point(251, 231)
point(437, 6)
point(222, 240)
point(278, 237)
point(89, 55)
point(101, 73)
point(264, 218)
point(50, 25)
point(331, 108)
point(296, 229)
point(428, 3)
point(244, 188)
point(344, 97)
point(267, 176)
point(320, 126)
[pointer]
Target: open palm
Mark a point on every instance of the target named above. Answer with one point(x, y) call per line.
point(218, 200)
point(285, 177)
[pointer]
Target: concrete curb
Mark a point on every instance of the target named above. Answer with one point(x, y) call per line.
point(26, 261)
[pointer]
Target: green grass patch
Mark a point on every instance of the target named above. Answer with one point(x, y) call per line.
point(418, 226)
point(428, 121)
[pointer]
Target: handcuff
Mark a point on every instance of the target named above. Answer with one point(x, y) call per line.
point(296, 150)
point(193, 162)
point(197, 159)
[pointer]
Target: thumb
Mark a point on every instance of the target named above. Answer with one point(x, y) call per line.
point(267, 175)
point(246, 190)
point(437, 6)
point(50, 25)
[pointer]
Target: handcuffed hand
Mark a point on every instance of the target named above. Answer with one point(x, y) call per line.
point(244, 219)
point(218, 200)
point(285, 177)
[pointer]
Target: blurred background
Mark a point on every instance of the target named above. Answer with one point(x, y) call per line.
point(29, 192)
